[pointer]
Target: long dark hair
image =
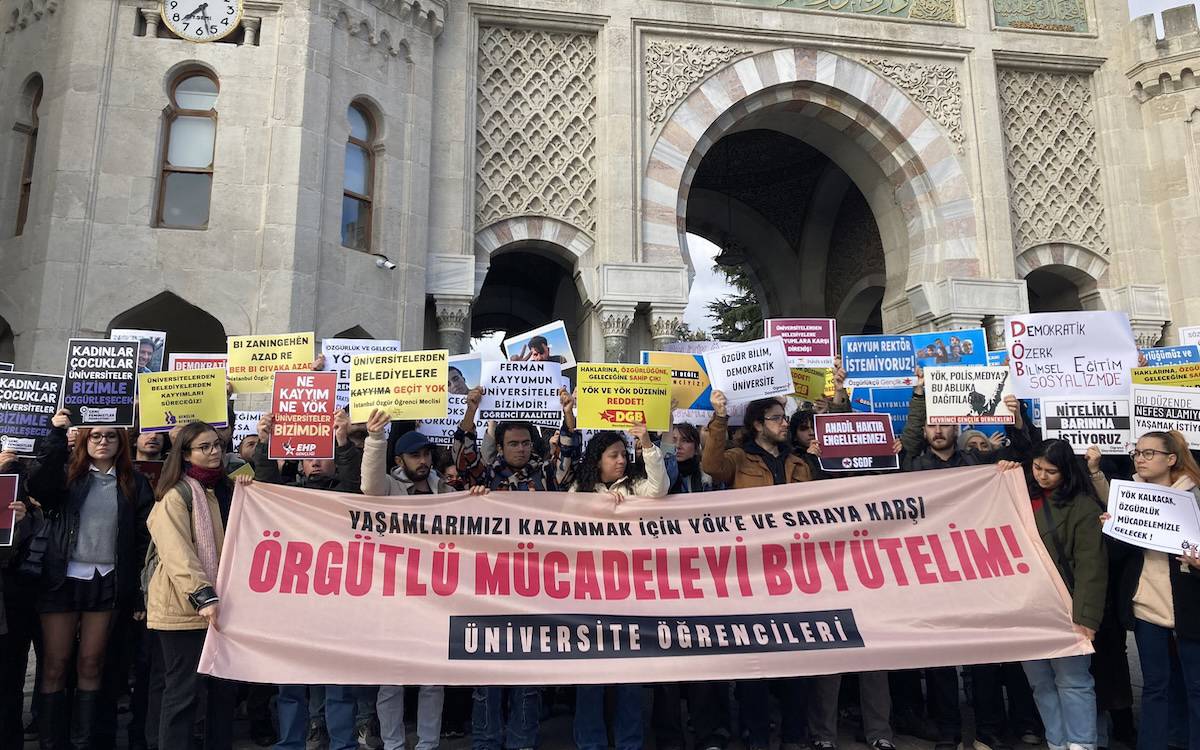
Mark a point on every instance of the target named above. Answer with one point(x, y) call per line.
point(587, 474)
point(802, 419)
point(176, 465)
point(80, 461)
point(688, 432)
point(755, 412)
point(1075, 481)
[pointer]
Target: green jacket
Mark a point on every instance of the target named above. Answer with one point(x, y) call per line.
point(1077, 526)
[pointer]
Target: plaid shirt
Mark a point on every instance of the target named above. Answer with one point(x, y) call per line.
point(539, 475)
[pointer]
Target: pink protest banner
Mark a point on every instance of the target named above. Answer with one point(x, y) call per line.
point(809, 342)
point(868, 573)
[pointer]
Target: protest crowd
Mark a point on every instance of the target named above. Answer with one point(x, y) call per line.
point(110, 576)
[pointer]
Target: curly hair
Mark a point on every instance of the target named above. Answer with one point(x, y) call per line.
point(587, 474)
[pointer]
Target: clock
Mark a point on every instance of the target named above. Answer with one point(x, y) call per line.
point(201, 20)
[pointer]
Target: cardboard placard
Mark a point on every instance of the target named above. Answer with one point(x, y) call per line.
point(967, 394)
point(878, 361)
point(1153, 517)
point(1180, 376)
point(809, 384)
point(172, 399)
point(1163, 408)
point(101, 382)
point(1104, 423)
point(958, 347)
point(690, 386)
point(152, 346)
point(441, 431)
point(998, 358)
point(521, 390)
point(254, 360)
point(548, 343)
point(302, 404)
point(809, 342)
point(190, 361)
point(8, 518)
point(856, 442)
point(749, 370)
point(465, 372)
point(1172, 355)
point(339, 355)
point(894, 402)
point(616, 396)
point(407, 385)
point(1071, 354)
point(1189, 335)
point(245, 424)
point(28, 402)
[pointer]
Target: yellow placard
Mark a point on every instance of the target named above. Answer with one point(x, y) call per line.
point(810, 382)
point(171, 399)
point(689, 381)
point(615, 396)
point(407, 385)
point(245, 470)
point(253, 360)
point(1180, 376)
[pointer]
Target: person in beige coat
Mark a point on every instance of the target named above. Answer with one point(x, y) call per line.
point(187, 526)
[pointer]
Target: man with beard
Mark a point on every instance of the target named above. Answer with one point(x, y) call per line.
point(928, 447)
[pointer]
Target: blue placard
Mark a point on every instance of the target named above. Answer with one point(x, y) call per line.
point(998, 359)
point(894, 402)
point(878, 361)
point(963, 347)
point(1172, 355)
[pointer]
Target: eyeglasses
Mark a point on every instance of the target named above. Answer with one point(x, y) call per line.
point(100, 437)
point(208, 447)
point(1146, 453)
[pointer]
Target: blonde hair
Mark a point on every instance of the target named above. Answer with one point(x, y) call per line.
point(1177, 445)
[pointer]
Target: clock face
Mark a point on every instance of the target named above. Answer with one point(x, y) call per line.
point(201, 20)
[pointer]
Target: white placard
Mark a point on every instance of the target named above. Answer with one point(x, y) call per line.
point(1103, 423)
point(441, 431)
point(1152, 517)
point(338, 354)
point(151, 345)
point(245, 424)
point(750, 370)
point(521, 390)
point(1071, 354)
point(967, 394)
point(1164, 408)
point(1189, 335)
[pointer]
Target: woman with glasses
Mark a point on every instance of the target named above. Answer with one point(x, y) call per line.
point(97, 505)
point(1158, 596)
point(187, 524)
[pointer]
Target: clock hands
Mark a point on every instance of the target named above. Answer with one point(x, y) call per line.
point(199, 9)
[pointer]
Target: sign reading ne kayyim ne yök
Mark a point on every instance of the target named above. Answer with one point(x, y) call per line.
point(1103, 423)
point(878, 361)
point(302, 404)
point(521, 390)
point(28, 402)
point(1152, 516)
point(855, 442)
point(172, 399)
point(101, 382)
point(406, 385)
point(809, 342)
point(254, 360)
point(1071, 354)
point(967, 394)
point(749, 370)
point(618, 396)
point(1163, 408)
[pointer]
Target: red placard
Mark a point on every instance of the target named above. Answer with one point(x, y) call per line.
point(856, 442)
point(302, 404)
point(8, 518)
point(809, 342)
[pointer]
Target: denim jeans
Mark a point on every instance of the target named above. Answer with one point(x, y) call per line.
point(1066, 698)
point(390, 707)
point(489, 731)
point(1153, 644)
point(293, 707)
point(591, 732)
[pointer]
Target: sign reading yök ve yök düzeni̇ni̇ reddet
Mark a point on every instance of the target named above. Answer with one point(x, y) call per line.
point(100, 386)
point(573, 589)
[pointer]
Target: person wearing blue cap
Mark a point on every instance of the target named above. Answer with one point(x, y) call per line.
point(413, 475)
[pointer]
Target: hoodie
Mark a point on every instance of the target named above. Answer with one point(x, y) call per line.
point(376, 480)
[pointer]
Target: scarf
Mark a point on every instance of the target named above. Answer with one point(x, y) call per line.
point(202, 524)
point(206, 477)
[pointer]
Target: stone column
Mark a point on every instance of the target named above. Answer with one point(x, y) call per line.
point(615, 320)
point(251, 26)
point(453, 316)
point(994, 326)
point(151, 17)
point(665, 320)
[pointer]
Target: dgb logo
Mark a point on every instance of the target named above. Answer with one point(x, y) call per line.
point(624, 415)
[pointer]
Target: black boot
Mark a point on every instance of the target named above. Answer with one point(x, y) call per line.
point(53, 721)
point(83, 718)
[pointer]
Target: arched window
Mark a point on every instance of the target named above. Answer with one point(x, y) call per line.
point(33, 96)
point(187, 157)
point(358, 180)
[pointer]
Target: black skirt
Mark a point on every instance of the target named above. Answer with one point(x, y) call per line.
point(97, 595)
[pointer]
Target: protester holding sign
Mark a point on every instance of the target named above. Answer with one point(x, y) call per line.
point(187, 524)
point(1064, 506)
point(18, 617)
point(97, 540)
point(1159, 596)
point(515, 466)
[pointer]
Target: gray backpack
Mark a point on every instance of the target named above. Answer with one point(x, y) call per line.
point(151, 563)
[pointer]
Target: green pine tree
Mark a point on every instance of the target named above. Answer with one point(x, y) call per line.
point(738, 316)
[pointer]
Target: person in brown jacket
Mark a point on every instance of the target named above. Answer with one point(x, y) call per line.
point(188, 530)
point(763, 458)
